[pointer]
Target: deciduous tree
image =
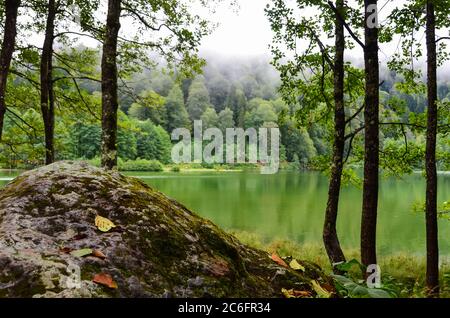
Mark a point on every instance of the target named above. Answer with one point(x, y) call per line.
point(7, 49)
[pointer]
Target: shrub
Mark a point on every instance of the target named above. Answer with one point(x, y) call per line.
point(175, 169)
point(96, 161)
point(141, 165)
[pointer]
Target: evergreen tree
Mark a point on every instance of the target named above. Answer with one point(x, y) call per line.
point(198, 100)
point(177, 116)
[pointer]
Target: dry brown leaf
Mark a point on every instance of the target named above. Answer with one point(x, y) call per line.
point(105, 280)
point(302, 294)
point(292, 293)
point(279, 260)
point(99, 254)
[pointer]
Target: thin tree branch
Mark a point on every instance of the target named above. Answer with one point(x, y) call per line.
point(443, 38)
point(352, 34)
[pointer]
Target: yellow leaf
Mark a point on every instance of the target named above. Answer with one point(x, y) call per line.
point(103, 224)
point(288, 293)
point(321, 292)
point(295, 265)
point(292, 293)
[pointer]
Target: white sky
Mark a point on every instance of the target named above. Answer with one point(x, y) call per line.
point(246, 32)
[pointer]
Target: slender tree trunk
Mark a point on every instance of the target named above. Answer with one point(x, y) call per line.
point(47, 95)
point(432, 278)
point(330, 237)
point(9, 39)
point(109, 86)
point(371, 155)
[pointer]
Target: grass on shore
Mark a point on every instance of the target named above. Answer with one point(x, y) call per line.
point(402, 272)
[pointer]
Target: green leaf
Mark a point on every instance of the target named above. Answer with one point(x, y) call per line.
point(378, 293)
point(82, 252)
point(346, 266)
point(360, 292)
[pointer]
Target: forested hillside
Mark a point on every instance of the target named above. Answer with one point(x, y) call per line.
point(232, 92)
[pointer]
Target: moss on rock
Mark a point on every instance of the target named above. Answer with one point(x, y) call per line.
point(159, 249)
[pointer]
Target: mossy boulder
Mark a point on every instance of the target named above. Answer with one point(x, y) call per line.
point(158, 249)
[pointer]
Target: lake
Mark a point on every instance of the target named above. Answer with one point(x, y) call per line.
point(291, 205)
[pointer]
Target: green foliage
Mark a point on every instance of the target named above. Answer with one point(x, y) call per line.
point(198, 100)
point(84, 140)
point(153, 142)
point(259, 112)
point(141, 165)
point(346, 287)
point(225, 119)
point(297, 142)
point(177, 116)
point(175, 169)
point(149, 106)
point(209, 118)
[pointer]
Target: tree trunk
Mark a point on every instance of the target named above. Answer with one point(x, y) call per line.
point(330, 238)
point(432, 279)
point(9, 39)
point(109, 86)
point(371, 148)
point(47, 95)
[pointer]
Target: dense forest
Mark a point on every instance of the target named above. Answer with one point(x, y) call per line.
point(115, 103)
point(239, 92)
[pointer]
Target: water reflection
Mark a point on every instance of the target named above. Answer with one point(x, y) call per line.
point(291, 205)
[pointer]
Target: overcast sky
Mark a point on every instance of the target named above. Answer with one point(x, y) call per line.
point(246, 32)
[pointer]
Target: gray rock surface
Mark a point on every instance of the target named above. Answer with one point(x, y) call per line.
point(158, 249)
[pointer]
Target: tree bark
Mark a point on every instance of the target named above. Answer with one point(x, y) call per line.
point(109, 86)
point(432, 274)
point(371, 148)
point(9, 39)
point(47, 94)
point(330, 237)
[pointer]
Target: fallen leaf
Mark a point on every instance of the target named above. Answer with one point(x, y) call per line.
point(98, 254)
point(291, 293)
point(103, 224)
point(82, 252)
point(278, 260)
point(288, 293)
point(328, 287)
point(302, 294)
point(295, 265)
point(321, 292)
point(104, 279)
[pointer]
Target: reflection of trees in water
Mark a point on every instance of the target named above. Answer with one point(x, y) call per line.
point(291, 205)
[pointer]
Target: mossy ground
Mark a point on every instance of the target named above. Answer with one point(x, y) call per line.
point(402, 272)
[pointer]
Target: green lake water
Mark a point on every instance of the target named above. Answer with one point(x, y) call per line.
point(291, 205)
